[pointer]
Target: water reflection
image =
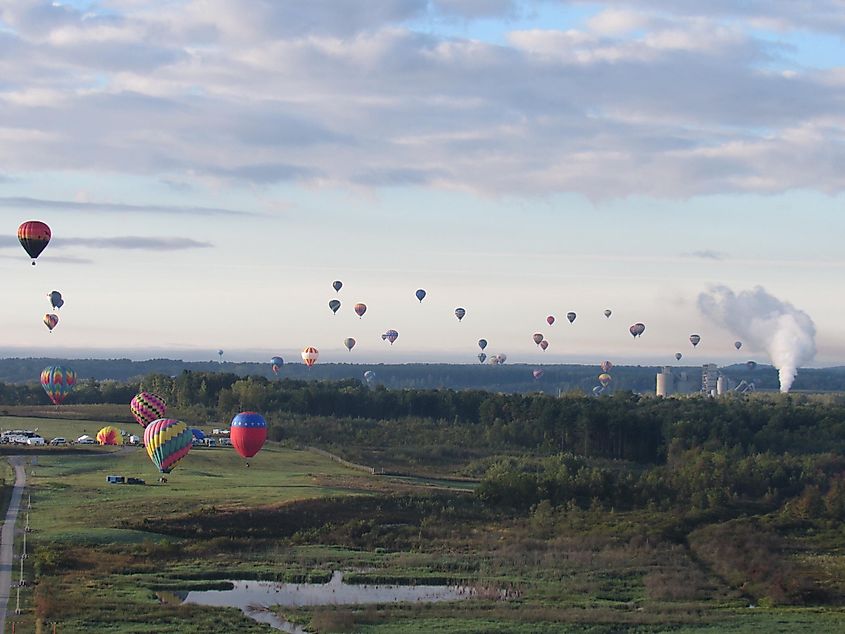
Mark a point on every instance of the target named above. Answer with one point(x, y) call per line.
point(253, 597)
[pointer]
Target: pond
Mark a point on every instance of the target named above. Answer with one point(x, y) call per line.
point(255, 597)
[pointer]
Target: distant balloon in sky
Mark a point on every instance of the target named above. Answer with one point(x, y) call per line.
point(543, 345)
point(537, 337)
point(550, 319)
point(608, 313)
point(277, 361)
point(737, 344)
point(571, 316)
point(604, 379)
point(56, 300)
point(349, 342)
point(220, 354)
point(391, 336)
point(482, 357)
point(482, 343)
point(502, 357)
point(637, 329)
point(678, 356)
point(334, 305)
point(34, 236)
point(459, 313)
point(420, 294)
point(310, 356)
point(337, 285)
point(50, 320)
point(606, 366)
point(360, 309)
point(538, 373)
point(694, 340)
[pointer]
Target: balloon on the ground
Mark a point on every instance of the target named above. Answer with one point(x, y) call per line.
point(571, 316)
point(543, 345)
point(56, 300)
point(637, 329)
point(550, 319)
point(391, 336)
point(537, 337)
point(482, 343)
point(51, 320)
point(459, 313)
point(147, 407)
point(248, 433)
point(58, 381)
point(334, 305)
point(349, 342)
point(360, 309)
point(337, 285)
point(310, 356)
point(167, 441)
point(34, 237)
point(109, 435)
point(606, 366)
point(420, 294)
point(694, 340)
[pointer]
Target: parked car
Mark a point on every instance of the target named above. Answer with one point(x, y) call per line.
point(58, 440)
point(115, 479)
point(135, 481)
point(85, 440)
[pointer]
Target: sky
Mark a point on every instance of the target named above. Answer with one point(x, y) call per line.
point(209, 167)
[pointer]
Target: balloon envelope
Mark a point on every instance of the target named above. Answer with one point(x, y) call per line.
point(349, 342)
point(56, 300)
point(58, 381)
point(459, 313)
point(694, 340)
point(482, 343)
point(678, 356)
point(543, 344)
point(360, 309)
point(248, 433)
point(147, 407)
point(167, 441)
point(310, 356)
point(337, 285)
point(608, 313)
point(606, 366)
point(391, 336)
point(737, 344)
point(34, 237)
point(482, 357)
point(538, 373)
point(334, 305)
point(420, 294)
point(604, 379)
point(109, 435)
point(277, 361)
point(550, 319)
point(637, 329)
point(369, 375)
point(538, 337)
point(571, 317)
point(51, 320)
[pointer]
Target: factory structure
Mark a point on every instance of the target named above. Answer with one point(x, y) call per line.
point(671, 381)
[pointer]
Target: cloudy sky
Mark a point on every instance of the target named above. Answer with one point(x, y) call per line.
point(208, 167)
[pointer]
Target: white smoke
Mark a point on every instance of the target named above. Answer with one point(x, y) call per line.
point(764, 322)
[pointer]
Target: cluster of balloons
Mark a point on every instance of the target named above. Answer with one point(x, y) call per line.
point(34, 237)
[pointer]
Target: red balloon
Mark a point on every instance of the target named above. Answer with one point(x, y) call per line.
point(248, 433)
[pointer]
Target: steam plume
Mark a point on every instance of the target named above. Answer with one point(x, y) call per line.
point(787, 334)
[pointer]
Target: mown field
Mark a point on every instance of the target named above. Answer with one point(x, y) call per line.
point(109, 558)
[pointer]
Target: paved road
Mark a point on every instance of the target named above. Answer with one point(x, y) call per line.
point(7, 537)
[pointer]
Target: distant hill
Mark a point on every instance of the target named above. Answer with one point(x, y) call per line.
point(504, 378)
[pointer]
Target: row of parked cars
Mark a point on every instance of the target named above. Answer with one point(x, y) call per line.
point(21, 437)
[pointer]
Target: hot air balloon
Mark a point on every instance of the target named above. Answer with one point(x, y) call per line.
point(34, 237)
point(751, 365)
point(58, 381)
point(604, 379)
point(220, 354)
point(678, 356)
point(349, 342)
point(501, 357)
point(543, 344)
point(360, 309)
point(337, 285)
point(391, 336)
point(310, 356)
point(694, 339)
point(737, 344)
point(608, 313)
point(538, 337)
point(369, 376)
point(109, 435)
point(420, 294)
point(167, 441)
point(606, 366)
point(493, 360)
point(482, 357)
point(571, 316)
point(56, 300)
point(459, 313)
point(50, 320)
point(277, 361)
point(334, 305)
point(538, 373)
point(147, 407)
point(248, 433)
point(550, 319)
point(482, 343)
point(637, 329)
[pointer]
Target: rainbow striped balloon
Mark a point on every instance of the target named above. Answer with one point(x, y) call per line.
point(167, 442)
point(58, 381)
point(147, 407)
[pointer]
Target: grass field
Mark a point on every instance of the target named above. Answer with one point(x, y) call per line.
point(109, 558)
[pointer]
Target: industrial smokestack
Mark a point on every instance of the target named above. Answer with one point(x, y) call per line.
point(787, 334)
